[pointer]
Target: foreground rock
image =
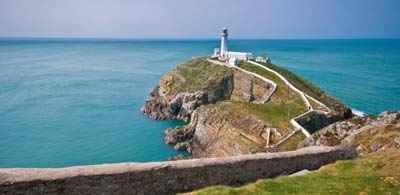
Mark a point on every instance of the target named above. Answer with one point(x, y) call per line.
point(369, 134)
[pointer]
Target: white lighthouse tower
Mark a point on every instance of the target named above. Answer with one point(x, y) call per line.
point(231, 57)
point(224, 42)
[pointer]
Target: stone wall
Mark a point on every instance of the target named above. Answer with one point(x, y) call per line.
point(165, 177)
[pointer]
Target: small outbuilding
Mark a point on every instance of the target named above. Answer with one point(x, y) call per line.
point(234, 61)
point(263, 58)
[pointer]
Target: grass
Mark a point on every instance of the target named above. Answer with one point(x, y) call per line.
point(316, 106)
point(377, 138)
point(371, 174)
point(284, 105)
point(194, 75)
point(275, 114)
point(304, 85)
point(199, 74)
point(291, 143)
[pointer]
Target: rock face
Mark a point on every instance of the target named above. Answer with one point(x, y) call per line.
point(167, 103)
point(248, 88)
point(183, 104)
point(224, 107)
point(368, 133)
point(216, 131)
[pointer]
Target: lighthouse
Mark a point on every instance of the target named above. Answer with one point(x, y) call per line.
point(224, 42)
point(232, 57)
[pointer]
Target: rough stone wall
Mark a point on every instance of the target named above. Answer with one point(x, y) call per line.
point(165, 177)
point(249, 88)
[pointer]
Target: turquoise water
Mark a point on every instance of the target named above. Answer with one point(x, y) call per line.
point(72, 102)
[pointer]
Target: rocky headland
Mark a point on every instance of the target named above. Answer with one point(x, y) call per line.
point(230, 112)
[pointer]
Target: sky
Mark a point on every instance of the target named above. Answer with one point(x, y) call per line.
point(200, 19)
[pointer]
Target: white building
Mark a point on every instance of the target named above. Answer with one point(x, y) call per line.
point(224, 54)
point(239, 55)
point(263, 59)
point(233, 61)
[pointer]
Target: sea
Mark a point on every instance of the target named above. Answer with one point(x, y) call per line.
point(67, 102)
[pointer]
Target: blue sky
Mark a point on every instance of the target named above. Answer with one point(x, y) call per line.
point(200, 19)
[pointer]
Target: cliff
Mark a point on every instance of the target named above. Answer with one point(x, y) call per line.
point(221, 129)
point(187, 87)
point(229, 111)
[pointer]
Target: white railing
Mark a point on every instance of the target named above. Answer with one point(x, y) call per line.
point(302, 94)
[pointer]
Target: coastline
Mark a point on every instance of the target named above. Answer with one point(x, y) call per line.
point(330, 72)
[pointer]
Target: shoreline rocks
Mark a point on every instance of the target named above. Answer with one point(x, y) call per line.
point(180, 107)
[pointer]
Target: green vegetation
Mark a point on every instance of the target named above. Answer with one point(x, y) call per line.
point(199, 74)
point(285, 104)
point(372, 174)
point(276, 114)
point(194, 75)
point(304, 85)
point(316, 106)
point(378, 138)
point(291, 143)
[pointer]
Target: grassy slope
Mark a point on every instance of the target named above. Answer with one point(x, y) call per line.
point(276, 114)
point(383, 137)
point(194, 75)
point(277, 110)
point(372, 174)
point(292, 142)
point(199, 74)
point(304, 85)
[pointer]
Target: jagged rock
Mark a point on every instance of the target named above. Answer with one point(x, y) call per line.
point(180, 107)
point(364, 132)
point(177, 135)
point(215, 131)
point(180, 146)
point(177, 157)
point(397, 142)
point(249, 88)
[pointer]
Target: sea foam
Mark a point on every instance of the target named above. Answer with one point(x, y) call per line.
point(358, 112)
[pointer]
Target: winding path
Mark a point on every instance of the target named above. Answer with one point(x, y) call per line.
point(302, 94)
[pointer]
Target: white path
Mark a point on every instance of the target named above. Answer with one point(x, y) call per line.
point(302, 94)
point(274, 85)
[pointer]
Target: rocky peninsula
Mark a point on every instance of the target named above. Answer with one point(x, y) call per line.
point(231, 112)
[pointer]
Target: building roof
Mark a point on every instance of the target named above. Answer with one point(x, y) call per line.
point(238, 53)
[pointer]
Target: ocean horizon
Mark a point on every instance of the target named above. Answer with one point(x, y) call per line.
point(76, 101)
